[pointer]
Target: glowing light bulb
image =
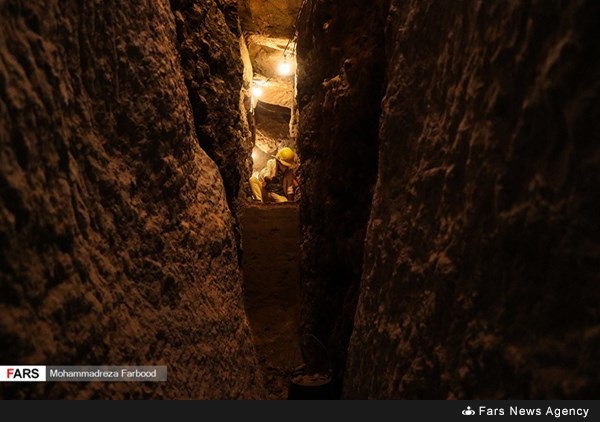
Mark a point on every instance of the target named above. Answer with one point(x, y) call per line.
point(257, 91)
point(284, 68)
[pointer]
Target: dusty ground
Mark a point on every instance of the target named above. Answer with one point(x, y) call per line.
point(271, 289)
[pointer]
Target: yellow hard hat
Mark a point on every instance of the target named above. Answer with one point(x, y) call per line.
point(286, 156)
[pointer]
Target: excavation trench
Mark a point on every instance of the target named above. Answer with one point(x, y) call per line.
point(449, 168)
point(270, 236)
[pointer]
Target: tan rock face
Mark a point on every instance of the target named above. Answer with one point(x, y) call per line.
point(117, 243)
point(267, 17)
point(478, 279)
point(208, 41)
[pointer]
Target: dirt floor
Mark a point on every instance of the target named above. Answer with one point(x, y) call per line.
point(271, 248)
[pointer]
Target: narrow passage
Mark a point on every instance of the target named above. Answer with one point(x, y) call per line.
point(270, 241)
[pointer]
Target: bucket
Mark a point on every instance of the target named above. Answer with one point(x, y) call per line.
point(311, 386)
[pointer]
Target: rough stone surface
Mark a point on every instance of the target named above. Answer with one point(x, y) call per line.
point(117, 246)
point(340, 80)
point(272, 297)
point(208, 43)
point(481, 265)
point(268, 17)
point(272, 127)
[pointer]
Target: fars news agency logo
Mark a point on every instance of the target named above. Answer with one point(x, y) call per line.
point(468, 411)
point(12, 373)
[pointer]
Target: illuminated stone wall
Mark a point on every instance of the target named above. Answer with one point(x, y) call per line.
point(481, 268)
point(117, 243)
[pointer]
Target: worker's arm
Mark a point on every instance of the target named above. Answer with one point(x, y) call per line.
point(289, 185)
point(267, 173)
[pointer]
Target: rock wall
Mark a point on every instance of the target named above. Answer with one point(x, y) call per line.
point(275, 18)
point(208, 36)
point(480, 277)
point(340, 80)
point(117, 244)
